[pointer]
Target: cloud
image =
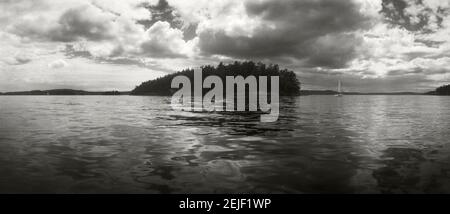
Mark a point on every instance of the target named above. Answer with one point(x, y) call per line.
point(83, 22)
point(303, 30)
point(106, 30)
point(163, 41)
point(397, 44)
point(426, 16)
point(164, 12)
point(58, 64)
point(375, 42)
point(22, 59)
point(19, 59)
point(352, 81)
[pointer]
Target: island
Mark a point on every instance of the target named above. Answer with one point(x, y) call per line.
point(289, 84)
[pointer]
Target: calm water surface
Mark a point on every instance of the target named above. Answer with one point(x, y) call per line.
point(320, 144)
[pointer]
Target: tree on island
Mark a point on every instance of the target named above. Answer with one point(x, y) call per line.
point(289, 85)
point(443, 90)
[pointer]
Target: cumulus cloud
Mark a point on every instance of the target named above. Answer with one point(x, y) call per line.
point(17, 59)
point(407, 40)
point(377, 42)
point(22, 59)
point(414, 15)
point(315, 33)
point(163, 41)
point(83, 22)
point(58, 64)
point(109, 30)
point(319, 32)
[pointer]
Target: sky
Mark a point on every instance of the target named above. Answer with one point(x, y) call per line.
point(370, 45)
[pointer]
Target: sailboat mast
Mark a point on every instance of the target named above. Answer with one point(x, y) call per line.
point(339, 87)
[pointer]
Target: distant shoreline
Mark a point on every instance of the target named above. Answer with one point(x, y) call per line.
point(64, 92)
point(71, 92)
point(331, 92)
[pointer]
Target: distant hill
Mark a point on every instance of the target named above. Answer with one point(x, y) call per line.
point(317, 92)
point(80, 92)
point(289, 85)
point(441, 91)
point(63, 92)
point(330, 92)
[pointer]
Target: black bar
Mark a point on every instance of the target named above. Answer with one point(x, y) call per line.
point(171, 203)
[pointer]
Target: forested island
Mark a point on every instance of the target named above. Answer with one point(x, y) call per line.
point(441, 91)
point(289, 84)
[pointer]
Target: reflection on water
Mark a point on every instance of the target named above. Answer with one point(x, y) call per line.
point(320, 144)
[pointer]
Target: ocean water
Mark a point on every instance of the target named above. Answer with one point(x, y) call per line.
point(134, 144)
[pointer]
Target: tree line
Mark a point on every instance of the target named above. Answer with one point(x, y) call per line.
point(443, 90)
point(289, 84)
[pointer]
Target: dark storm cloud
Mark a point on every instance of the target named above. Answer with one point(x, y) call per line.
point(74, 24)
point(396, 14)
point(162, 11)
point(158, 50)
point(315, 31)
point(394, 11)
point(332, 51)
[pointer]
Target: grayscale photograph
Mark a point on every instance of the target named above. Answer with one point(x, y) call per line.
point(224, 97)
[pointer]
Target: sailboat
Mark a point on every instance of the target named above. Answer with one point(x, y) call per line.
point(339, 94)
